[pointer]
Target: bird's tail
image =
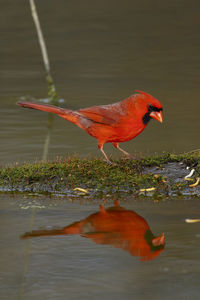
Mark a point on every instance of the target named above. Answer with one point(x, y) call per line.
point(42, 232)
point(67, 114)
point(74, 228)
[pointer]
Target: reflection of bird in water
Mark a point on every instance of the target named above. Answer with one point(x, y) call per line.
point(114, 226)
point(112, 123)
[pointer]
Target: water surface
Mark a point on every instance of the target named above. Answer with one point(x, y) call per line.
point(100, 52)
point(52, 267)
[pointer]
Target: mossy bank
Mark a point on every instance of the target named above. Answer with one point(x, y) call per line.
point(154, 176)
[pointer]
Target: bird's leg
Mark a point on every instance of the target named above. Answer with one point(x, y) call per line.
point(100, 146)
point(116, 145)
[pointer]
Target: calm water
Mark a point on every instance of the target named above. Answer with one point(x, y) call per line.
point(74, 267)
point(100, 52)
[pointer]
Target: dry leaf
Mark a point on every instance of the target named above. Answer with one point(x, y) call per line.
point(148, 189)
point(190, 174)
point(80, 190)
point(192, 220)
point(196, 183)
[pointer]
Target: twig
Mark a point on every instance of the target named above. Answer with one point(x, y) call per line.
point(41, 38)
point(52, 94)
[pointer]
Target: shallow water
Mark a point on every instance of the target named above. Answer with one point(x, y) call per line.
point(100, 52)
point(56, 267)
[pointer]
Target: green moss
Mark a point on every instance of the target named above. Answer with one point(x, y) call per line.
point(96, 176)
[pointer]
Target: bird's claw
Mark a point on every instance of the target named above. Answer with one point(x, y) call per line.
point(109, 162)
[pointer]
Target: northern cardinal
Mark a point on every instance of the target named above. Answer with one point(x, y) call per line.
point(113, 226)
point(112, 123)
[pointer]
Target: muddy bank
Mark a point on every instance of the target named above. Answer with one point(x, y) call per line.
point(156, 176)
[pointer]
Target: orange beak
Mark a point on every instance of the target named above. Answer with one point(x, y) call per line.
point(160, 240)
point(157, 116)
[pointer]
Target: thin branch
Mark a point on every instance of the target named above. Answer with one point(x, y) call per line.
point(40, 38)
point(52, 94)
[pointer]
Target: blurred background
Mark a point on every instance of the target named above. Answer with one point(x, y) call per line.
point(100, 52)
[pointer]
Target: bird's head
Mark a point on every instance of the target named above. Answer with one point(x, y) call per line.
point(150, 107)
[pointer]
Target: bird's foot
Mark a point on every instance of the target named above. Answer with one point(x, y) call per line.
point(109, 162)
point(132, 157)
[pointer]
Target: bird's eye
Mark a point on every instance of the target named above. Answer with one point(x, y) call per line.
point(154, 108)
point(151, 108)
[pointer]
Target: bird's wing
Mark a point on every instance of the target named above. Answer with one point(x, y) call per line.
point(107, 114)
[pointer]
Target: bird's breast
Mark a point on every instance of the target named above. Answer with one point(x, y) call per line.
point(128, 131)
point(121, 131)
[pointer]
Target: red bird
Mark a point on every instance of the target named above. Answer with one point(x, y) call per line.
point(112, 123)
point(113, 226)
